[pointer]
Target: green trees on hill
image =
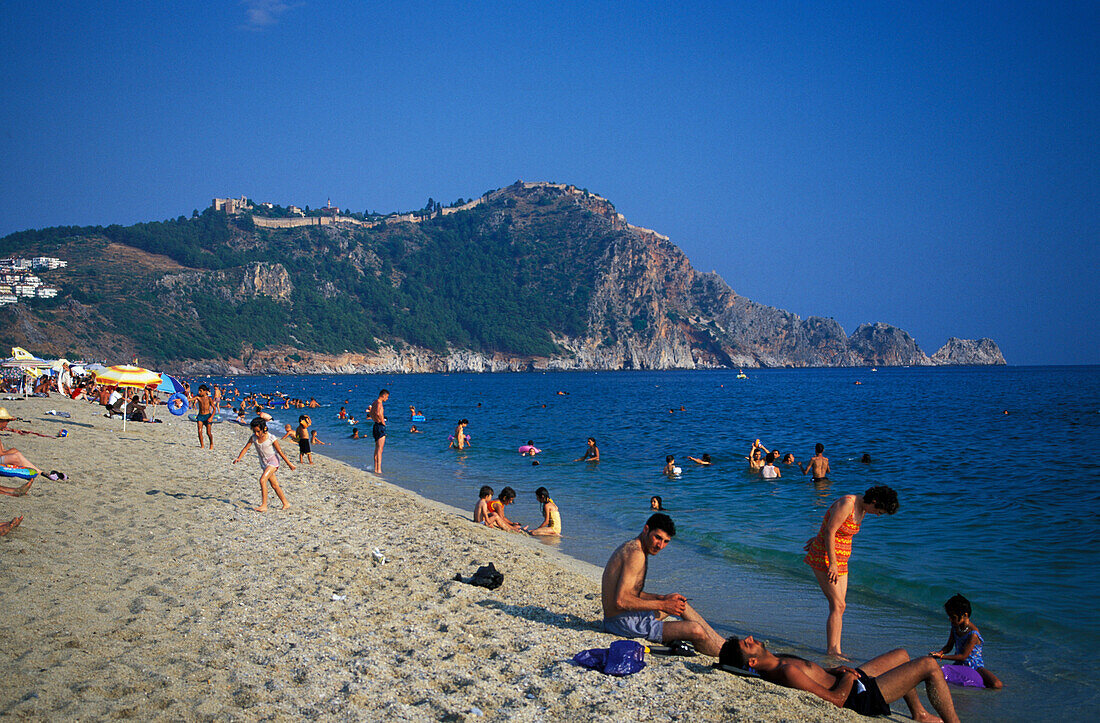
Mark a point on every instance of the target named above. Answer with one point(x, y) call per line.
point(499, 278)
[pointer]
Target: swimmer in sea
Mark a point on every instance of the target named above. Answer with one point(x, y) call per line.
point(705, 460)
point(788, 458)
point(656, 504)
point(414, 430)
point(756, 456)
point(819, 465)
point(670, 465)
point(592, 454)
point(460, 440)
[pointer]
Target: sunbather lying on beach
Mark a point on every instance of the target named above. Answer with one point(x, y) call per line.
point(631, 612)
point(868, 689)
point(12, 457)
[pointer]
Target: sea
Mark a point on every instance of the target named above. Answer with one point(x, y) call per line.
point(997, 470)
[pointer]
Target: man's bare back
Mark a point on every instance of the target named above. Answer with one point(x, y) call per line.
point(627, 567)
point(818, 466)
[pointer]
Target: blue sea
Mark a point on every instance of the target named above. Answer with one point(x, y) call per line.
point(996, 470)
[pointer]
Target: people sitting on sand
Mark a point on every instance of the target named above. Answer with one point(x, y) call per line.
point(631, 612)
point(482, 511)
point(498, 519)
point(868, 689)
point(592, 454)
point(12, 457)
point(704, 460)
point(551, 519)
point(966, 640)
point(769, 470)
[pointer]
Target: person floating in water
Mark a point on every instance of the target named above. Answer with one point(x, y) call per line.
point(966, 640)
point(655, 503)
point(704, 460)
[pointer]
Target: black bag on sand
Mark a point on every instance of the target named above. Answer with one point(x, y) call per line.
point(486, 576)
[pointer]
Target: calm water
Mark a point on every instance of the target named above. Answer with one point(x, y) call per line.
point(1001, 508)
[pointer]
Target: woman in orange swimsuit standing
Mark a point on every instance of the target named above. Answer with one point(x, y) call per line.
point(828, 552)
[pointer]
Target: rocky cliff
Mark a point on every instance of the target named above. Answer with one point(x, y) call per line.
point(531, 276)
point(969, 351)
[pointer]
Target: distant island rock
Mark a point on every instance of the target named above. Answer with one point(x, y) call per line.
point(969, 351)
point(533, 276)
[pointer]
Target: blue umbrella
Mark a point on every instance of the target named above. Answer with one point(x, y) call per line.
point(170, 384)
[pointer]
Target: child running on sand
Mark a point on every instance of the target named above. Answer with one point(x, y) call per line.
point(303, 438)
point(551, 519)
point(267, 447)
point(966, 640)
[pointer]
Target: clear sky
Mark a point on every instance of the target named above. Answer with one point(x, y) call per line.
point(931, 165)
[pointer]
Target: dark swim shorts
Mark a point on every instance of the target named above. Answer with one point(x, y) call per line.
point(303, 446)
point(378, 430)
point(203, 417)
point(866, 698)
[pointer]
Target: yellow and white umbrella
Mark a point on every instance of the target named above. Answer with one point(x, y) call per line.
point(126, 375)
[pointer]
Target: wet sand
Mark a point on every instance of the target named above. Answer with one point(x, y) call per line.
point(145, 586)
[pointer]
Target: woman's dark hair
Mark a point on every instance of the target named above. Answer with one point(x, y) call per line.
point(669, 458)
point(542, 494)
point(258, 423)
point(772, 456)
point(660, 503)
point(507, 494)
point(957, 605)
point(865, 459)
point(706, 457)
point(661, 521)
point(883, 498)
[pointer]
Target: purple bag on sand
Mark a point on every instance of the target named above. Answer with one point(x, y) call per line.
point(622, 658)
point(963, 675)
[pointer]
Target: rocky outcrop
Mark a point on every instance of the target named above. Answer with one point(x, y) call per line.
point(880, 344)
point(265, 279)
point(969, 351)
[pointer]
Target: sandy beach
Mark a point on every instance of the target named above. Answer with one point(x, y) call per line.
point(145, 587)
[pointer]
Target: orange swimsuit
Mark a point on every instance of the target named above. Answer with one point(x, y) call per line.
point(817, 555)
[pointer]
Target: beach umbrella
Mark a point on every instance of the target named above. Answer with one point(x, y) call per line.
point(126, 375)
point(170, 384)
point(22, 359)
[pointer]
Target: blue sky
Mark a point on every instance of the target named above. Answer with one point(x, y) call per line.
point(931, 165)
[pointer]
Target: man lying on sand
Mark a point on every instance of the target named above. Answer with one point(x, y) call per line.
point(868, 689)
point(631, 612)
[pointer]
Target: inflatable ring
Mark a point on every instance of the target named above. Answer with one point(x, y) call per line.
point(21, 472)
point(177, 404)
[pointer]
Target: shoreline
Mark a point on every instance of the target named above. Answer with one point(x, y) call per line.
point(146, 586)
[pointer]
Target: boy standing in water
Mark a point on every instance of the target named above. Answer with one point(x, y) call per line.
point(207, 409)
point(303, 439)
point(378, 431)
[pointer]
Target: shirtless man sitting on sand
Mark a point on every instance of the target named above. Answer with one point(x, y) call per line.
point(819, 465)
point(631, 612)
point(868, 689)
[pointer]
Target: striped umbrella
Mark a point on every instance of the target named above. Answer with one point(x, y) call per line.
point(126, 375)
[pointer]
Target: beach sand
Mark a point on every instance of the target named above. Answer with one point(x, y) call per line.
point(147, 587)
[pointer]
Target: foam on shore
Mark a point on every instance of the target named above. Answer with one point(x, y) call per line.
point(146, 586)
